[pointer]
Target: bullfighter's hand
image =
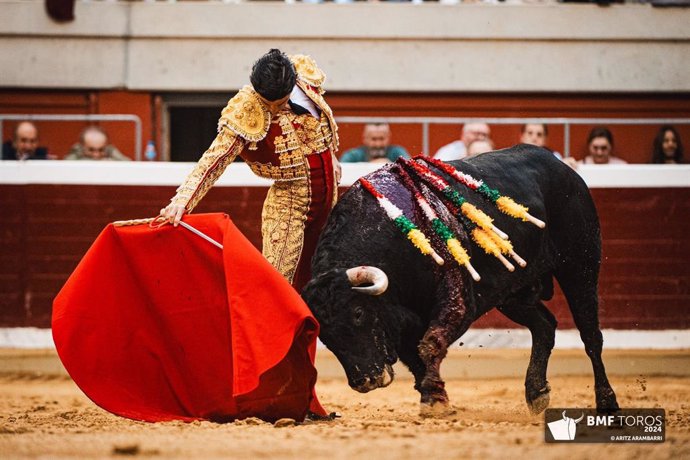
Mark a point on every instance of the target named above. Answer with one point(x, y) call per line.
point(173, 213)
point(338, 171)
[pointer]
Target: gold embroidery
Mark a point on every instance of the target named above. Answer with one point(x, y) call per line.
point(310, 123)
point(285, 122)
point(279, 173)
point(293, 142)
point(225, 147)
point(246, 115)
point(328, 125)
point(310, 76)
point(246, 121)
point(283, 218)
point(307, 70)
point(294, 158)
point(280, 145)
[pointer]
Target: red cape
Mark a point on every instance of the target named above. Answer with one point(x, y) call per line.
point(159, 324)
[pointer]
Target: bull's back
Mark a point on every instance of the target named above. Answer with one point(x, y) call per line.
point(536, 178)
point(554, 193)
point(531, 175)
point(359, 233)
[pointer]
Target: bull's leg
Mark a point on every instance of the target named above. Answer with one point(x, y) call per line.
point(542, 325)
point(587, 321)
point(450, 318)
point(409, 355)
point(579, 284)
point(432, 349)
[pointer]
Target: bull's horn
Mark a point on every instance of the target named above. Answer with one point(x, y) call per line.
point(580, 419)
point(564, 417)
point(365, 274)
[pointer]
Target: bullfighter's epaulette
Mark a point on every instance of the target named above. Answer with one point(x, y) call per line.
point(246, 116)
point(308, 71)
point(310, 79)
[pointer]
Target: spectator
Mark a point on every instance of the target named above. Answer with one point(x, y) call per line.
point(377, 147)
point(93, 145)
point(668, 148)
point(458, 149)
point(479, 146)
point(536, 134)
point(24, 144)
point(600, 145)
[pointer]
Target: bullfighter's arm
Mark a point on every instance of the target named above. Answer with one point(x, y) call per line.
point(225, 147)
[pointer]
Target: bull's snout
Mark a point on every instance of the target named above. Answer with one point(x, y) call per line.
point(365, 384)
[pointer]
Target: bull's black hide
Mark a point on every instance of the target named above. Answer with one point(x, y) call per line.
point(426, 307)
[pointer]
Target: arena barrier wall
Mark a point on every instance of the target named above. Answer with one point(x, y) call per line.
point(51, 212)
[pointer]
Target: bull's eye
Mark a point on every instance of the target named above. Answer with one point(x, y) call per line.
point(358, 315)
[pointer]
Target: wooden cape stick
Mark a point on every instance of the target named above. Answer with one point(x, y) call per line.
point(125, 223)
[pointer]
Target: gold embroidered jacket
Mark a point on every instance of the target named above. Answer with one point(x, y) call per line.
point(273, 147)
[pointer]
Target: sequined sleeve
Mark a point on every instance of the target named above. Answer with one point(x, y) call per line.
point(225, 147)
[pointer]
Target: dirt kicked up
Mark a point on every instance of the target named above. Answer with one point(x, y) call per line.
point(49, 417)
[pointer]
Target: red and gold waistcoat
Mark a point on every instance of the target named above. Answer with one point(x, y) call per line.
point(287, 148)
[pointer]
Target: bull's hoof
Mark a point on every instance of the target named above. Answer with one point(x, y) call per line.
point(436, 410)
point(539, 404)
point(313, 417)
point(539, 401)
point(606, 401)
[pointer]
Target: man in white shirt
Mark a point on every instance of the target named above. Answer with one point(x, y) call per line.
point(458, 149)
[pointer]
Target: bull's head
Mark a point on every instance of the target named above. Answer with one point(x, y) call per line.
point(356, 323)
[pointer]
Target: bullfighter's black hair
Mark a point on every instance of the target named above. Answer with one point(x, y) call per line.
point(273, 75)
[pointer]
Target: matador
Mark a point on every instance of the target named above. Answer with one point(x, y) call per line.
point(285, 131)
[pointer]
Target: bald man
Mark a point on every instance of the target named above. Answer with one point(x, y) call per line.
point(24, 144)
point(470, 132)
point(94, 144)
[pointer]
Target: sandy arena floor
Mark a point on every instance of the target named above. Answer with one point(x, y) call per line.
point(48, 417)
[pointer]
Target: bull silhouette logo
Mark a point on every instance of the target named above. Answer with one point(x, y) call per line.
point(564, 429)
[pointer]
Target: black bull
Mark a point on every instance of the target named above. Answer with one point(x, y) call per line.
point(426, 307)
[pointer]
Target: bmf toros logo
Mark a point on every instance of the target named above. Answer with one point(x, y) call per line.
point(586, 425)
point(564, 429)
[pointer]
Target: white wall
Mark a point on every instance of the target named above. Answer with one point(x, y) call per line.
point(200, 46)
point(132, 173)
